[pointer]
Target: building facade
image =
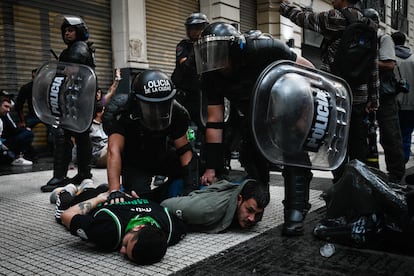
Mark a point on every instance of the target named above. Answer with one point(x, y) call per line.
point(138, 34)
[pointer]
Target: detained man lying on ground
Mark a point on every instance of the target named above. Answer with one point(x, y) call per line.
point(221, 205)
point(139, 228)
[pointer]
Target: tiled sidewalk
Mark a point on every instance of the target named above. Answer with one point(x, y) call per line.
point(32, 243)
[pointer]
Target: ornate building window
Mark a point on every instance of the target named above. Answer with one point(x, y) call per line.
point(399, 15)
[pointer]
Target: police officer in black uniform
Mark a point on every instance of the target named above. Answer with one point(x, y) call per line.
point(75, 34)
point(230, 65)
point(147, 132)
point(184, 76)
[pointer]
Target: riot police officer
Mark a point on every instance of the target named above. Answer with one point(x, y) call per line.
point(230, 64)
point(184, 76)
point(75, 35)
point(147, 132)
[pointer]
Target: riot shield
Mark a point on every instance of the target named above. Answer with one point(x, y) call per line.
point(300, 116)
point(64, 95)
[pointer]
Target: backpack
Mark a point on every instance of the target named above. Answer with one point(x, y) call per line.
point(356, 50)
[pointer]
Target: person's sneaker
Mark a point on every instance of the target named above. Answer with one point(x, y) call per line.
point(63, 200)
point(70, 188)
point(85, 185)
point(21, 162)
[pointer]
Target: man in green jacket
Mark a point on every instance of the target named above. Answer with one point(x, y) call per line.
point(221, 205)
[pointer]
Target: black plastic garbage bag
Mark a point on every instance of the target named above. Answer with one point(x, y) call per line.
point(359, 232)
point(363, 206)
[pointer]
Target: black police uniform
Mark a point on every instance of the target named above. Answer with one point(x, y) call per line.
point(81, 53)
point(187, 81)
point(247, 64)
point(146, 152)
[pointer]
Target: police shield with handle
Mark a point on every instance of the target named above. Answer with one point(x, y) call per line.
point(63, 94)
point(300, 116)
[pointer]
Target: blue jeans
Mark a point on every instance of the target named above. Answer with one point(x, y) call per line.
point(21, 142)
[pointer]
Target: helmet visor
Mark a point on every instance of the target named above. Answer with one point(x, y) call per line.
point(211, 53)
point(156, 115)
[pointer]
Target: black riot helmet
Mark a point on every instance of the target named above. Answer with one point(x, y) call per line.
point(197, 18)
point(257, 34)
point(218, 43)
point(372, 14)
point(77, 22)
point(154, 93)
point(194, 24)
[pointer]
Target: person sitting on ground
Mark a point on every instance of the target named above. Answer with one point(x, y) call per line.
point(6, 156)
point(99, 139)
point(221, 205)
point(139, 228)
point(15, 140)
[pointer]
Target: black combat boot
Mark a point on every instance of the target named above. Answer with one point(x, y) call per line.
point(296, 202)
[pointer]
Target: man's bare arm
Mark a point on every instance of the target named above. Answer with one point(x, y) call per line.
point(82, 208)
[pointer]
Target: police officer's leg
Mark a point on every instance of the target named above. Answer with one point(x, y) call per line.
point(357, 140)
point(296, 202)
point(189, 173)
point(84, 157)
point(254, 163)
point(61, 160)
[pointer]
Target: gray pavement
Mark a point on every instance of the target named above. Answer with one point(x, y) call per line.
point(32, 243)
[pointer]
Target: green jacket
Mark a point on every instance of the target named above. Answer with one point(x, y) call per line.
point(209, 210)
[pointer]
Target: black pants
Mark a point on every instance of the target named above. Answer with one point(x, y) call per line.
point(390, 137)
point(137, 176)
point(357, 139)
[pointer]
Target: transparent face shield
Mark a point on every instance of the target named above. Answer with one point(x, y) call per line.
point(300, 116)
point(156, 115)
point(212, 53)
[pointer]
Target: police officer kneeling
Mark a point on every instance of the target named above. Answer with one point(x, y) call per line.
point(147, 132)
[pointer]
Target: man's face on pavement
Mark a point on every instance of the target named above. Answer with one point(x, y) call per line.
point(128, 242)
point(248, 214)
point(5, 108)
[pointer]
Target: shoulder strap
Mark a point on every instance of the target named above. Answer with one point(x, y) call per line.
point(398, 69)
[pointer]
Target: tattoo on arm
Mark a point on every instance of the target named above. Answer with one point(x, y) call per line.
point(85, 207)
